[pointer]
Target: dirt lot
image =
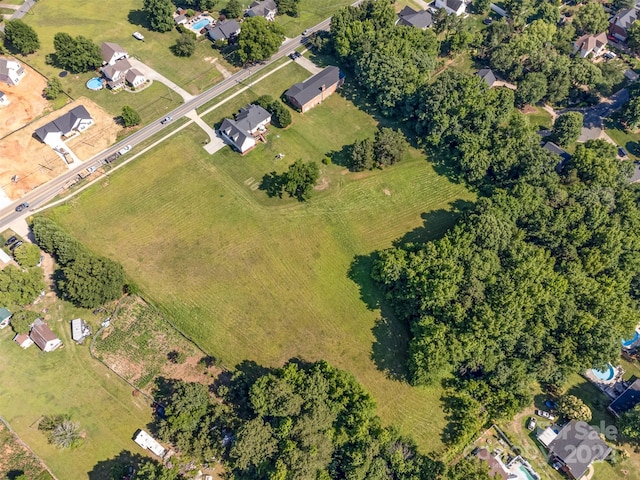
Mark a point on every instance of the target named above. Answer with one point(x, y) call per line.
point(26, 99)
point(35, 163)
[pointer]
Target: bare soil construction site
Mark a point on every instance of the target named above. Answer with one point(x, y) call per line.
point(32, 163)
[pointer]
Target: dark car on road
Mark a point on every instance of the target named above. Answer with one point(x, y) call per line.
point(22, 206)
point(294, 55)
point(10, 240)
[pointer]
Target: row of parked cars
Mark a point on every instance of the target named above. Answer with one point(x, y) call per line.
point(13, 243)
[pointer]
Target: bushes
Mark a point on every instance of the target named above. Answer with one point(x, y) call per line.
point(280, 115)
point(87, 279)
point(387, 148)
point(27, 255)
point(53, 89)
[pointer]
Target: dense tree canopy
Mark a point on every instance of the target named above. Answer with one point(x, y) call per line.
point(386, 148)
point(629, 424)
point(21, 36)
point(22, 319)
point(258, 39)
point(233, 9)
point(87, 279)
point(27, 255)
point(591, 18)
point(185, 45)
point(288, 7)
point(77, 54)
point(160, 14)
point(572, 408)
point(567, 128)
point(20, 286)
point(305, 422)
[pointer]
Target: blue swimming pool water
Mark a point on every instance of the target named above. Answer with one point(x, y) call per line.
point(628, 343)
point(201, 24)
point(526, 473)
point(605, 375)
point(95, 83)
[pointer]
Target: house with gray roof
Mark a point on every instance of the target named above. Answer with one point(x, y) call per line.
point(412, 18)
point(488, 76)
point(112, 52)
point(627, 400)
point(248, 124)
point(452, 7)
point(621, 22)
point(577, 437)
point(75, 120)
point(227, 31)
point(265, 8)
point(306, 95)
point(11, 72)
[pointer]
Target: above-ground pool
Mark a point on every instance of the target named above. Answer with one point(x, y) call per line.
point(628, 343)
point(95, 83)
point(605, 375)
point(199, 25)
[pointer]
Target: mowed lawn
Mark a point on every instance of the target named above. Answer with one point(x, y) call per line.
point(310, 13)
point(115, 22)
point(68, 381)
point(251, 277)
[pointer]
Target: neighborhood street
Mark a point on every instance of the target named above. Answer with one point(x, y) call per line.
point(39, 196)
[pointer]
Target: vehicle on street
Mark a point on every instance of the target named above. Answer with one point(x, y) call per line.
point(10, 240)
point(488, 21)
point(22, 206)
point(15, 245)
point(294, 55)
point(308, 31)
point(166, 120)
point(91, 169)
point(531, 424)
point(124, 149)
point(622, 152)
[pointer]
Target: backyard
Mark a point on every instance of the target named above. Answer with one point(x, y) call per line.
point(68, 381)
point(267, 279)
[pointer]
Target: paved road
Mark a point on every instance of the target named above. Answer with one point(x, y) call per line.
point(593, 125)
point(41, 195)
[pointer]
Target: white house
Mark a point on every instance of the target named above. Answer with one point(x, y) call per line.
point(43, 337)
point(248, 123)
point(594, 45)
point(5, 317)
point(11, 72)
point(147, 442)
point(266, 8)
point(455, 7)
point(135, 77)
point(75, 120)
point(112, 52)
point(23, 340)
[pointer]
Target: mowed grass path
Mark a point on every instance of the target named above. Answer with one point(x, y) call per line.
point(68, 381)
point(249, 277)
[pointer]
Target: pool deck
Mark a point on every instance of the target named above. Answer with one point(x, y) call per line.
point(611, 388)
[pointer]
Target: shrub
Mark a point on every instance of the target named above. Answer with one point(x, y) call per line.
point(53, 89)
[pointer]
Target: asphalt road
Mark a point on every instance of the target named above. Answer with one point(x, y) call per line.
point(41, 195)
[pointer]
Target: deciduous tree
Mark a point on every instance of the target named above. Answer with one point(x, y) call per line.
point(259, 39)
point(300, 178)
point(22, 319)
point(160, 14)
point(573, 408)
point(531, 89)
point(53, 89)
point(130, 117)
point(21, 36)
point(567, 128)
point(185, 45)
point(591, 18)
point(77, 54)
point(630, 424)
point(27, 255)
point(233, 9)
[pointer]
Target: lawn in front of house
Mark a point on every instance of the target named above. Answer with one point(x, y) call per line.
point(249, 277)
point(626, 139)
point(311, 12)
point(68, 381)
point(115, 22)
point(540, 119)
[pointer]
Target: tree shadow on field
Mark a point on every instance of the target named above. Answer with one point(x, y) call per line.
point(390, 351)
point(341, 157)
point(116, 467)
point(272, 184)
point(435, 224)
point(139, 18)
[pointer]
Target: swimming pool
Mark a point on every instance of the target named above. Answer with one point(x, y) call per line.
point(201, 24)
point(628, 343)
point(526, 473)
point(605, 375)
point(95, 83)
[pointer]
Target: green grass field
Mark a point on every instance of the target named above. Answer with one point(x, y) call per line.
point(624, 138)
point(311, 12)
point(250, 277)
point(106, 21)
point(540, 119)
point(68, 381)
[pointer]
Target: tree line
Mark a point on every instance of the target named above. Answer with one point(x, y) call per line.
point(85, 279)
point(301, 421)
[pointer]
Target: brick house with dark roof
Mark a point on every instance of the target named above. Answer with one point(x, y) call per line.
point(306, 95)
